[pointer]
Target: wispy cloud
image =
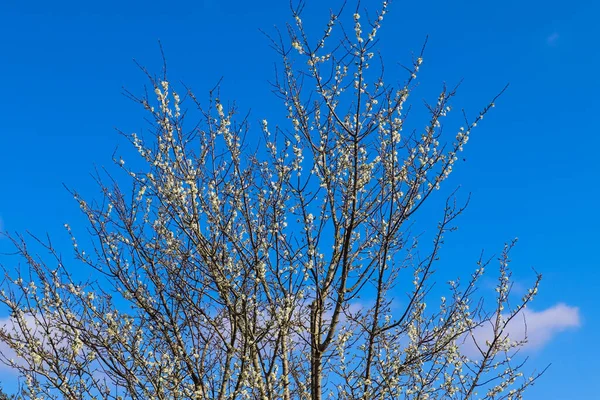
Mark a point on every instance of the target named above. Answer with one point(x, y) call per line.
point(538, 327)
point(9, 325)
point(552, 39)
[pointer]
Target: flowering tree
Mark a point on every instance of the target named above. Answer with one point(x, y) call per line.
point(270, 263)
point(4, 396)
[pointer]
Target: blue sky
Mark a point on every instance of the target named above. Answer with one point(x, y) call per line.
point(532, 168)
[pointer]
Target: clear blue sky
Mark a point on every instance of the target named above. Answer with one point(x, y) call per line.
point(533, 168)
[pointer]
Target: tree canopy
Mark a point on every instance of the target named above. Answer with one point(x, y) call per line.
point(260, 260)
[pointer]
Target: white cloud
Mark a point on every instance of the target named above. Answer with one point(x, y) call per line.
point(36, 328)
point(9, 325)
point(539, 327)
